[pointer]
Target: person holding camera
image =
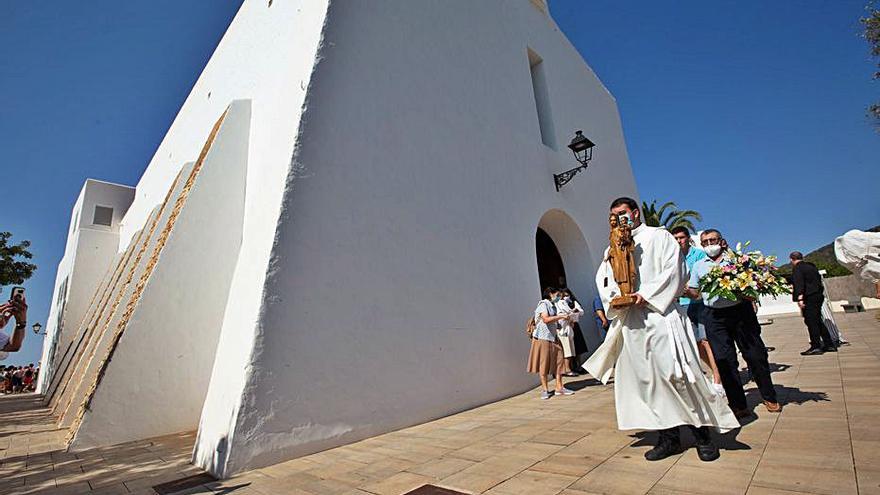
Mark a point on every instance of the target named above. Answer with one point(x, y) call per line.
point(15, 308)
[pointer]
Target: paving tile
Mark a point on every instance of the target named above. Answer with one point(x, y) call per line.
point(534, 483)
point(471, 482)
point(522, 446)
point(814, 479)
point(398, 484)
point(441, 468)
point(869, 480)
point(624, 474)
point(760, 490)
point(706, 479)
point(476, 452)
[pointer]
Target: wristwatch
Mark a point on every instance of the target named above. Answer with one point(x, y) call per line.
point(19, 326)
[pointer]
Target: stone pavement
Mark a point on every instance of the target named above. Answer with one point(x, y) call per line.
point(825, 442)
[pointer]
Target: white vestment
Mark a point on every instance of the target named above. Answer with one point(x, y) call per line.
point(860, 252)
point(658, 379)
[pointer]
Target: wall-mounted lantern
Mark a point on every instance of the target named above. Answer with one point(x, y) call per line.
point(582, 148)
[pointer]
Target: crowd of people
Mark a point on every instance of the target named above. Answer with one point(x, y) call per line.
point(15, 379)
point(19, 379)
point(655, 346)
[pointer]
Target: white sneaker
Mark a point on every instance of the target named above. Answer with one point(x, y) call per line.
point(545, 395)
point(565, 391)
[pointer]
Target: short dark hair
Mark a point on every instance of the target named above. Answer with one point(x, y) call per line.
point(796, 255)
point(681, 229)
point(623, 200)
point(711, 231)
point(548, 291)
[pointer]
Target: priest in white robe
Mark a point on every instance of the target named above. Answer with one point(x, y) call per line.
point(659, 383)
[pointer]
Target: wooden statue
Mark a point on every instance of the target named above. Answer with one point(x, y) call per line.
point(620, 256)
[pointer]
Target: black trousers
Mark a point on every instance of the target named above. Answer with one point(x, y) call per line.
point(819, 335)
point(727, 328)
point(700, 433)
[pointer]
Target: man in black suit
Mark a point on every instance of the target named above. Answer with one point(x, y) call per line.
point(809, 294)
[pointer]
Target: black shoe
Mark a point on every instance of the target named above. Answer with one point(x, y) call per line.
point(663, 450)
point(829, 349)
point(708, 452)
point(742, 413)
point(812, 351)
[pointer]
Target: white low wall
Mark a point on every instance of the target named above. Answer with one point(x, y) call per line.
point(781, 305)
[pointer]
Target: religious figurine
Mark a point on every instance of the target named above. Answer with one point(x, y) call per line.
point(620, 256)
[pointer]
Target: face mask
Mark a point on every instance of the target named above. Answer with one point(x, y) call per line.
point(568, 299)
point(712, 250)
point(625, 218)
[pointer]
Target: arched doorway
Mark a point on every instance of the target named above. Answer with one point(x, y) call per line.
point(551, 269)
point(564, 260)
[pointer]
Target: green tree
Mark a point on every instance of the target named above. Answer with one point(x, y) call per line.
point(13, 267)
point(872, 36)
point(832, 269)
point(669, 216)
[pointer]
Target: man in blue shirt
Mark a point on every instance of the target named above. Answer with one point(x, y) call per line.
point(693, 307)
point(730, 324)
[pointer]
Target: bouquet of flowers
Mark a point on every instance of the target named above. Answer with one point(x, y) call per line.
point(744, 274)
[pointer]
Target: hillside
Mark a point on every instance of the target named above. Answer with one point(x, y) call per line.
point(824, 259)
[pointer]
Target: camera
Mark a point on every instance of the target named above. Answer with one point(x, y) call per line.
point(17, 294)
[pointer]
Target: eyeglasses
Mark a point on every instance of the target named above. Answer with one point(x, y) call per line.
point(710, 241)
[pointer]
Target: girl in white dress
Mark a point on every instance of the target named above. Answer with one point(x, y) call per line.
point(568, 306)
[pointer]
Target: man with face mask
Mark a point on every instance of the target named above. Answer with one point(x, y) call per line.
point(658, 383)
point(730, 324)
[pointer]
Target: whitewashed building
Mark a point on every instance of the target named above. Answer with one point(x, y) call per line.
point(344, 229)
point(92, 242)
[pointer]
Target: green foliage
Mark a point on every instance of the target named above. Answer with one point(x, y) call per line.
point(832, 268)
point(13, 267)
point(872, 36)
point(669, 215)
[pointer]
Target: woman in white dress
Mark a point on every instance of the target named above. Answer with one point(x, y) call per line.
point(568, 306)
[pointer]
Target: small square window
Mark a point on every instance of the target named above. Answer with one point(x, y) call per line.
point(103, 216)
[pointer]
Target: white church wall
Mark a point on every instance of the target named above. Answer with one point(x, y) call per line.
point(64, 358)
point(266, 55)
point(156, 381)
point(286, 37)
point(88, 364)
point(89, 250)
point(405, 262)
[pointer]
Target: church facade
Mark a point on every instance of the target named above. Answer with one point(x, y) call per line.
point(344, 230)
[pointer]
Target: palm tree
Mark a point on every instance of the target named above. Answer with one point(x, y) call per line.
point(669, 216)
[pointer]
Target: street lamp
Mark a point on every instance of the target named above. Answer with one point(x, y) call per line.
point(37, 327)
point(582, 148)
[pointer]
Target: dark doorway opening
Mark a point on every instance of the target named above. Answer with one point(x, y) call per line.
point(551, 271)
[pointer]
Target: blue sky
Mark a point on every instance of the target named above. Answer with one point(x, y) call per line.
point(749, 112)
